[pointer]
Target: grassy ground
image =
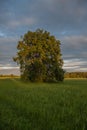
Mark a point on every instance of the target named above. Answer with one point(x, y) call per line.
point(61, 106)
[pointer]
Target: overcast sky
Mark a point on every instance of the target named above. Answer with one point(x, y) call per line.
point(66, 19)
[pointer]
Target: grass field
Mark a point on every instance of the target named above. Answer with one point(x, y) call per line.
point(41, 106)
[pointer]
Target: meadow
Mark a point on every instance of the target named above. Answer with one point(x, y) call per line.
point(43, 106)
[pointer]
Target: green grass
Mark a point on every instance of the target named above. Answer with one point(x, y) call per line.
point(41, 106)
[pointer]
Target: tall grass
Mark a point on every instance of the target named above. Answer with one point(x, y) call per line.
point(30, 106)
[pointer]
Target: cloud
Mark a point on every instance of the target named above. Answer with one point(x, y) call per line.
point(8, 71)
point(66, 19)
point(59, 15)
point(82, 2)
point(22, 22)
point(2, 34)
point(74, 50)
point(8, 51)
point(74, 46)
point(5, 68)
point(75, 65)
point(8, 45)
point(62, 15)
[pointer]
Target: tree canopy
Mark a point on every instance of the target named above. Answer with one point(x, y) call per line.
point(39, 56)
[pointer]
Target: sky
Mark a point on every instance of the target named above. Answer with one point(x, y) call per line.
point(65, 19)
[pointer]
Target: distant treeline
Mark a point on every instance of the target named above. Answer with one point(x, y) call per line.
point(66, 75)
point(11, 75)
point(75, 75)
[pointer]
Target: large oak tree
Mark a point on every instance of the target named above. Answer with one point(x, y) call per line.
point(39, 56)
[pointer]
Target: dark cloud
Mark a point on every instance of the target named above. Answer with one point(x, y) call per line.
point(82, 2)
point(66, 19)
point(54, 15)
point(74, 50)
point(74, 47)
point(8, 45)
point(7, 50)
point(61, 15)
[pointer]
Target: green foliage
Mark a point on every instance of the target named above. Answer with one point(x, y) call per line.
point(43, 106)
point(39, 56)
